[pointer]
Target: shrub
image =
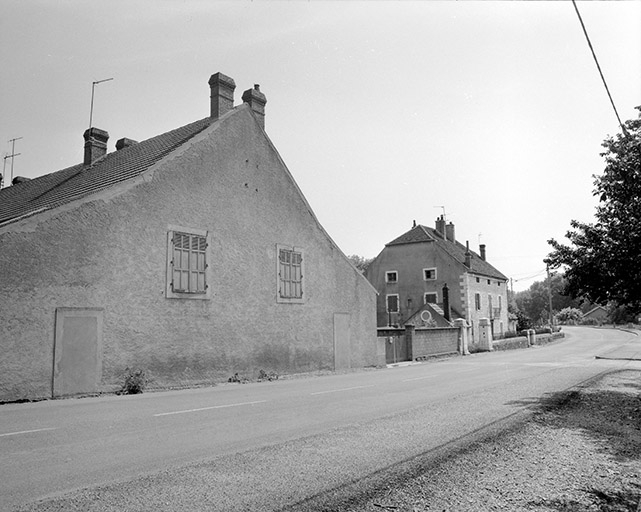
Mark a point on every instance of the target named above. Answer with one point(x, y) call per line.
point(135, 382)
point(263, 375)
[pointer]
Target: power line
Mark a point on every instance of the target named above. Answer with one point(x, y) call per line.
point(599, 68)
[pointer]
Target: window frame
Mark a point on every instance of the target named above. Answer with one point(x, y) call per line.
point(430, 293)
point(387, 274)
point(279, 280)
point(430, 269)
point(170, 292)
point(477, 302)
point(398, 303)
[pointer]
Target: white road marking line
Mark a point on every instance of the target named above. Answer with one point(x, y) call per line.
point(26, 432)
point(420, 378)
point(209, 408)
point(342, 389)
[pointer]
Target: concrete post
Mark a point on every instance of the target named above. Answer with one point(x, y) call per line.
point(485, 334)
point(409, 337)
point(463, 336)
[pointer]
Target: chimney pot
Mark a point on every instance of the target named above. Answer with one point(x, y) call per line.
point(95, 144)
point(125, 143)
point(256, 101)
point(222, 94)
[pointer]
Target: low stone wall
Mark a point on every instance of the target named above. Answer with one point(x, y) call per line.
point(510, 343)
point(522, 341)
point(434, 341)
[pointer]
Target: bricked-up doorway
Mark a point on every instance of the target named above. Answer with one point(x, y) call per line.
point(77, 356)
point(342, 340)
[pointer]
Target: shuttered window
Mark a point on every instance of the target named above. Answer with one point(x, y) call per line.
point(290, 273)
point(392, 303)
point(188, 263)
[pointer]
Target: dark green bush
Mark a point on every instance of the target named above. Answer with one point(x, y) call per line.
point(135, 382)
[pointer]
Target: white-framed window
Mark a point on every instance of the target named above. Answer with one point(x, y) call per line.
point(187, 263)
point(391, 276)
point(429, 274)
point(290, 274)
point(477, 301)
point(392, 303)
point(430, 298)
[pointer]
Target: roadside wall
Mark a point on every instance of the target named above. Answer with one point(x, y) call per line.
point(522, 341)
point(434, 341)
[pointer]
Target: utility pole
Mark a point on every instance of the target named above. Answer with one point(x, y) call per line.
point(93, 86)
point(12, 155)
point(547, 268)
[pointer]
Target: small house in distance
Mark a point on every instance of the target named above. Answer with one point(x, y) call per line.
point(428, 266)
point(192, 255)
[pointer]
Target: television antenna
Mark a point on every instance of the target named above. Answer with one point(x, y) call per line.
point(13, 155)
point(93, 86)
point(443, 208)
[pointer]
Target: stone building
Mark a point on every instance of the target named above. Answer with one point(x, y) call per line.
point(192, 255)
point(428, 266)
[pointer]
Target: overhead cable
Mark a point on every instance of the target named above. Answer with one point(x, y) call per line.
point(599, 68)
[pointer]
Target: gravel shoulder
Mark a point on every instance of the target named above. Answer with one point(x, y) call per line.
point(579, 451)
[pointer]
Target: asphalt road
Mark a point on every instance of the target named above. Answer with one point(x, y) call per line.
point(276, 445)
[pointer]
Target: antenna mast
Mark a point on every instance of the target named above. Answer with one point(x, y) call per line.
point(93, 86)
point(443, 207)
point(12, 156)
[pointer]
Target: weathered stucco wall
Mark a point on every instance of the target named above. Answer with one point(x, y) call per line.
point(409, 260)
point(110, 252)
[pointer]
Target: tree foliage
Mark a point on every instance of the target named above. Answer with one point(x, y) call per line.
point(603, 260)
point(359, 262)
point(568, 316)
point(534, 302)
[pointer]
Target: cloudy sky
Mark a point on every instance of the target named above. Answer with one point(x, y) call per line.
point(384, 112)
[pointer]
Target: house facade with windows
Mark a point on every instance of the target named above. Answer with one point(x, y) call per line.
point(428, 266)
point(192, 256)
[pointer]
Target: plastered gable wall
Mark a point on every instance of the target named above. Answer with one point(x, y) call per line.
point(409, 260)
point(111, 253)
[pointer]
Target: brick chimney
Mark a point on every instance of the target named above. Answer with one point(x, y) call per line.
point(482, 250)
point(95, 144)
point(468, 255)
point(222, 94)
point(449, 232)
point(256, 101)
point(440, 225)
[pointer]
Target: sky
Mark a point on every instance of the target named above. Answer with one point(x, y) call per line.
point(384, 112)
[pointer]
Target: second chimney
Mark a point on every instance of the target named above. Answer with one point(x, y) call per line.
point(222, 94)
point(256, 101)
point(449, 232)
point(95, 144)
point(482, 250)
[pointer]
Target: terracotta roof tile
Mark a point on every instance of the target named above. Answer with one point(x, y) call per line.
point(61, 187)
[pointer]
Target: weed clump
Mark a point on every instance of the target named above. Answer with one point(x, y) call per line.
point(135, 382)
